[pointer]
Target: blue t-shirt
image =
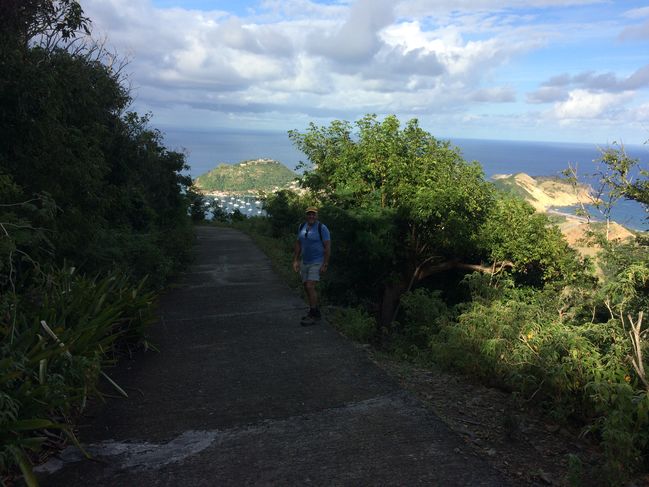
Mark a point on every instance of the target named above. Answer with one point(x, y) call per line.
point(312, 246)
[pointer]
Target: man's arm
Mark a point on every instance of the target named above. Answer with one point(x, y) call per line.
point(297, 250)
point(327, 254)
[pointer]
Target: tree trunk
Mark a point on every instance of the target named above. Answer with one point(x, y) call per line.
point(391, 297)
point(393, 291)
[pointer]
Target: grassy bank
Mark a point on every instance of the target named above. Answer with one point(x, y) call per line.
point(57, 343)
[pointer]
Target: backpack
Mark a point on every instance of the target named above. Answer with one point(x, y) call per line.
point(319, 231)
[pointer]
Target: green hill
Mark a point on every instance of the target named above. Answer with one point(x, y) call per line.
point(246, 176)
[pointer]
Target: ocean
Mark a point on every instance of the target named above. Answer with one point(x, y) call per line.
point(208, 149)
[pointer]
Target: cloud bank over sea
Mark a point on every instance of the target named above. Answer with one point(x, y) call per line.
point(497, 69)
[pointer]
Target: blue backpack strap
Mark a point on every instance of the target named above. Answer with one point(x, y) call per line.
point(299, 230)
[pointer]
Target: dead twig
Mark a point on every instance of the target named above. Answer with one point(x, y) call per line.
point(636, 339)
point(67, 353)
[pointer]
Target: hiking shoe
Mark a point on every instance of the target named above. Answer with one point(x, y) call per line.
point(308, 320)
point(311, 318)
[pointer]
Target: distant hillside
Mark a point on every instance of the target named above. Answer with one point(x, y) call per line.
point(246, 176)
point(548, 193)
point(542, 192)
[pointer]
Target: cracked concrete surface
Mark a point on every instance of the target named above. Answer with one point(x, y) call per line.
point(241, 394)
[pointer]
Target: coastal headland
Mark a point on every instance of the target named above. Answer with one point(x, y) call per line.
point(551, 194)
point(249, 177)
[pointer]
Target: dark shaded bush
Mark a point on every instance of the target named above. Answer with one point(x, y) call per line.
point(93, 218)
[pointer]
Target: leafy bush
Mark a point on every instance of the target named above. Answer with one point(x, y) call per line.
point(623, 424)
point(286, 211)
point(423, 312)
point(197, 207)
point(406, 211)
point(576, 372)
point(46, 383)
point(355, 323)
point(237, 216)
point(83, 184)
point(535, 250)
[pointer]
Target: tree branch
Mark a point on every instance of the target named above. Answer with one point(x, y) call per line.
point(636, 340)
point(493, 270)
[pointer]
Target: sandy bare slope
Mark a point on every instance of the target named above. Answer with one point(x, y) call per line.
point(547, 194)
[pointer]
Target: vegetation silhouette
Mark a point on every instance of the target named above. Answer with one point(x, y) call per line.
point(93, 217)
point(434, 264)
point(431, 262)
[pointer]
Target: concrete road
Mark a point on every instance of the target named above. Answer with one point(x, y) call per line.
point(241, 394)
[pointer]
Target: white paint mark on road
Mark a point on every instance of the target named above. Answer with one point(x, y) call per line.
point(119, 455)
point(138, 455)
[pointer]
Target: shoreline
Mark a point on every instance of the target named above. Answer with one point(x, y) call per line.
point(570, 216)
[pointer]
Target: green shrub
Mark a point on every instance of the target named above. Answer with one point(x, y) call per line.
point(623, 425)
point(110, 201)
point(405, 210)
point(237, 216)
point(45, 385)
point(422, 314)
point(286, 211)
point(576, 372)
point(356, 324)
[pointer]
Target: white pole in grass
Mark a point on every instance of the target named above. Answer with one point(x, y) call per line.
point(69, 355)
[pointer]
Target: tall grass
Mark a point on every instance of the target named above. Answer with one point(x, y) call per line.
point(45, 380)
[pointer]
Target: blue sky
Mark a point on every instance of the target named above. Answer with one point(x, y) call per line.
point(572, 71)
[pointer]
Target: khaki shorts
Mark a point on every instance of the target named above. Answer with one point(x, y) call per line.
point(310, 272)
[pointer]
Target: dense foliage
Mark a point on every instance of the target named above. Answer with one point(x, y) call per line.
point(247, 176)
point(407, 206)
point(436, 265)
point(93, 217)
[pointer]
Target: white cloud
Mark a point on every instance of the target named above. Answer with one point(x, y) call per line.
point(442, 7)
point(259, 39)
point(636, 32)
point(305, 59)
point(547, 94)
point(302, 9)
point(470, 60)
point(640, 114)
point(494, 95)
point(583, 104)
point(637, 13)
point(357, 39)
point(558, 87)
point(363, 43)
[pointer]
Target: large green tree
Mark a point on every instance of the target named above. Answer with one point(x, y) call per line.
point(22, 20)
point(91, 202)
point(69, 140)
point(118, 190)
point(438, 203)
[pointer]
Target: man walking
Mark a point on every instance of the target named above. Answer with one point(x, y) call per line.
point(313, 244)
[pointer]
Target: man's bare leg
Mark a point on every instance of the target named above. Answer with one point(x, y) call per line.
point(311, 294)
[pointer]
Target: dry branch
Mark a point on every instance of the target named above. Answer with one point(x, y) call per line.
point(69, 356)
point(636, 340)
